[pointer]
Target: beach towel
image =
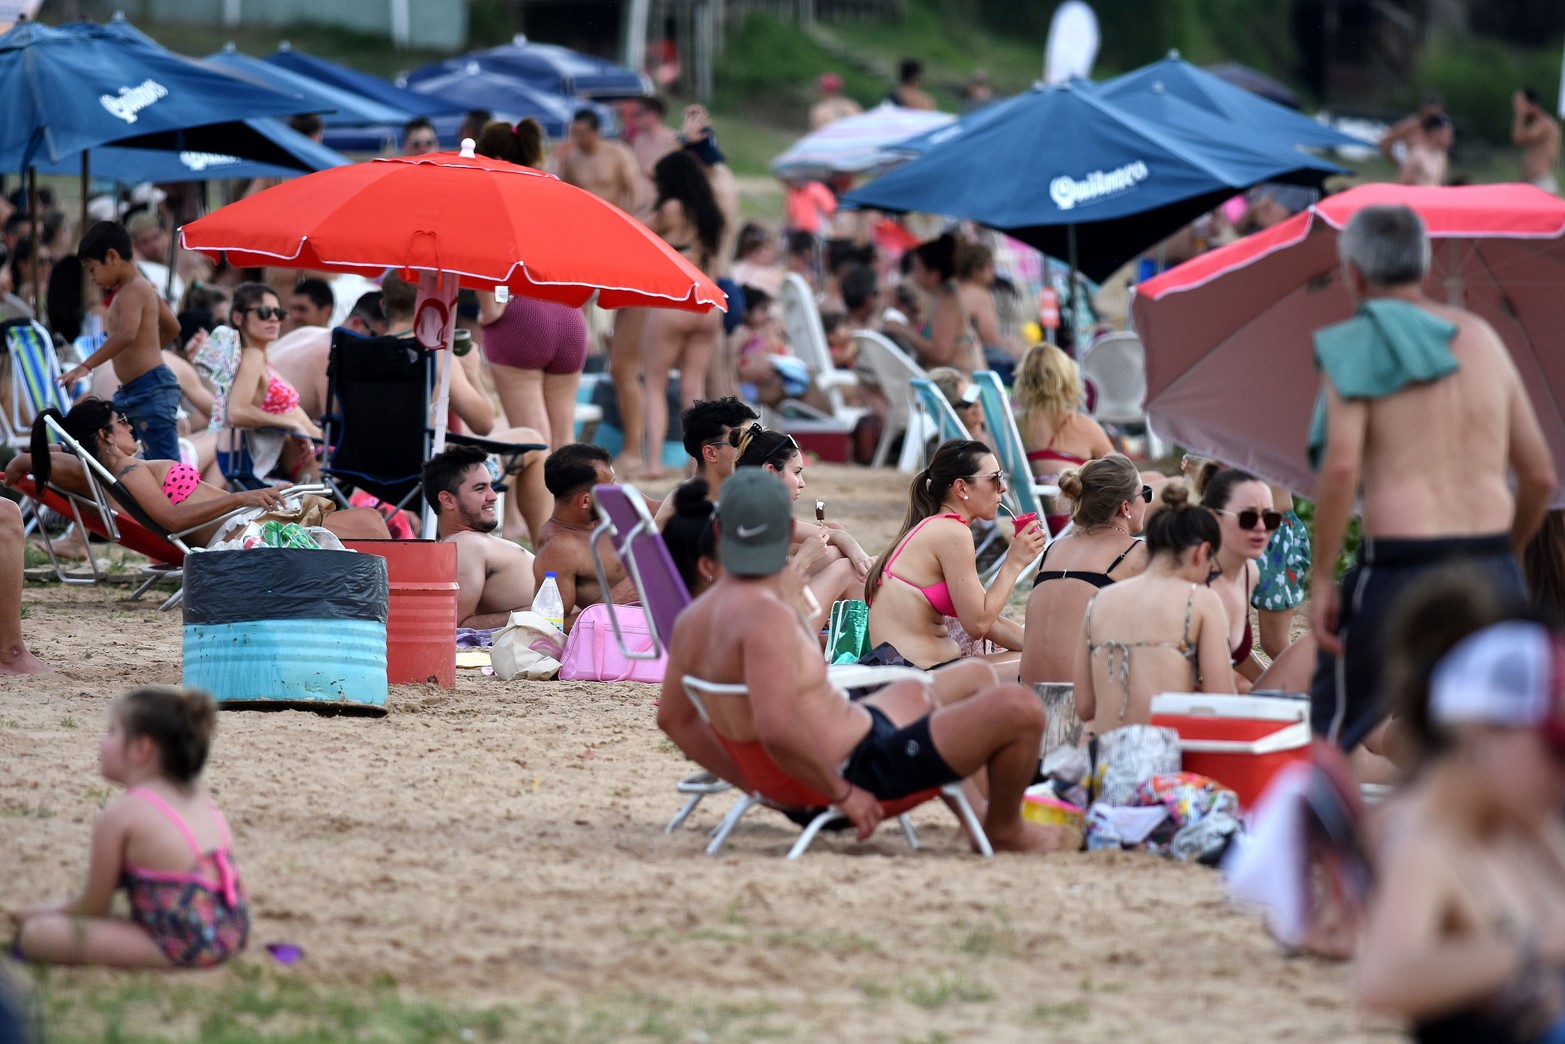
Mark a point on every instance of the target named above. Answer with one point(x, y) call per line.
point(1386, 346)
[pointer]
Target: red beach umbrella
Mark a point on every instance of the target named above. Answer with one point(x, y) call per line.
point(1230, 359)
point(454, 219)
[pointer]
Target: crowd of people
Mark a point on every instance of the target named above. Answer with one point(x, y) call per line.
point(1141, 583)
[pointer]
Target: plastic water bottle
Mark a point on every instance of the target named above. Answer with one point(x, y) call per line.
point(548, 604)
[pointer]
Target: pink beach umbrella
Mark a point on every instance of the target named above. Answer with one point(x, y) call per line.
point(1230, 361)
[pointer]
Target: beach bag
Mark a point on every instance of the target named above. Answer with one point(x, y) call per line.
point(593, 654)
point(529, 646)
point(1129, 756)
point(848, 638)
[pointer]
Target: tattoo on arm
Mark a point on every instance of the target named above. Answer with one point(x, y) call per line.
point(128, 468)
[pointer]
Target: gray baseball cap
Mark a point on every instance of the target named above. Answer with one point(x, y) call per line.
point(756, 520)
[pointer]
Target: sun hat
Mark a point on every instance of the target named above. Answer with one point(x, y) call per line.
point(756, 513)
point(1508, 674)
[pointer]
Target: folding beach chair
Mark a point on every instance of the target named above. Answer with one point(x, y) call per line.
point(34, 371)
point(940, 420)
point(378, 435)
point(774, 788)
point(893, 371)
point(1025, 491)
point(807, 338)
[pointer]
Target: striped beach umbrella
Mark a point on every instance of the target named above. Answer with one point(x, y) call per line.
point(857, 144)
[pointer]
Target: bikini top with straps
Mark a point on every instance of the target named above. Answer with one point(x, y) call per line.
point(1241, 652)
point(1098, 580)
point(938, 595)
point(1185, 647)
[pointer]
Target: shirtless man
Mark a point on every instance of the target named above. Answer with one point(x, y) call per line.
point(653, 139)
point(746, 629)
point(833, 105)
point(565, 541)
point(1538, 134)
point(704, 428)
point(1427, 158)
point(493, 575)
point(605, 168)
point(301, 357)
point(1432, 451)
point(309, 304)
point(909, 91)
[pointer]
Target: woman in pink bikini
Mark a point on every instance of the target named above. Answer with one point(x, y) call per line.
point(1055, 433)
point(925, 596)
point(259, 397)
point(163, 841)
point(170, 491)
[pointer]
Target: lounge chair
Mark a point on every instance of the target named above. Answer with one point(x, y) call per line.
point(807, 337)
point(34, 380)
point(1025, 491)
point(940, 420)
point(893, 371)
point(1116, 364)
point(378, 435)
point(774, 788)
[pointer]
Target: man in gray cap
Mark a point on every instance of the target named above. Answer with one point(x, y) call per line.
point(908, 737)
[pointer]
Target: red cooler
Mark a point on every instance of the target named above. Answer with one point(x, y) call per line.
point(1240, 741)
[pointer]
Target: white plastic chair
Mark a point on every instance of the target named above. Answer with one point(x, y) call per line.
point(894, 371)
point(1116, 364)
point(807, 338)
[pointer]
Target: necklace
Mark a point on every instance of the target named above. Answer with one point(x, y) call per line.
point(557, 520)
point(1108, 525)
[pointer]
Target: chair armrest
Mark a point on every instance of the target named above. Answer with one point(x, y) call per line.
point(858, 676)
point(837, 379)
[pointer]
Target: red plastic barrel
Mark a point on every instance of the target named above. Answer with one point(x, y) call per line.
point(421, 627)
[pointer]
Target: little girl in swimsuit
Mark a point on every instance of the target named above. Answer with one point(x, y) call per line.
point(163, 841)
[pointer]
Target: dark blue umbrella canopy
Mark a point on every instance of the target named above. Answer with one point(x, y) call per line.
point(338, 107)
point(1068, 172)
point(1250, 112)
point(556, 69)
point(169, 165)
point(363, 84)
point(63, 90)
point(471, 87)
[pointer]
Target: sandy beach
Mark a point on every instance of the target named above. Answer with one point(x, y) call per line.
point(497, 850)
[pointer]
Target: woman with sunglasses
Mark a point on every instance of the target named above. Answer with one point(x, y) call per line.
point(924, 594)
point(1160, 631)
point(1247, 519)
point(258, 397)
point(1101, 549)
point(170, 491)
point(834, 563)
point(1055, 432)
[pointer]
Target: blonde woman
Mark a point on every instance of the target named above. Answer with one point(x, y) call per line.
point(1056, 434)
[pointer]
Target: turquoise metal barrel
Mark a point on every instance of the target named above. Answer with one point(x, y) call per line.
point(275, 627)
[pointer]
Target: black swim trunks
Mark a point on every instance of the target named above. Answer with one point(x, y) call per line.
point(891, 763)
point(1346, 701)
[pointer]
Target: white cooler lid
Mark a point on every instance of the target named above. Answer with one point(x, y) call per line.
point(1224, 705)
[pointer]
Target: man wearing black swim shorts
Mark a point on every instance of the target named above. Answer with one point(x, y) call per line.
point(913, 735)
point(1426, 418)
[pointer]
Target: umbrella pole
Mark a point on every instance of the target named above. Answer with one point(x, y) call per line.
point(89, 294)
point(437, 291)
point(32, 218)
point(1070, 239)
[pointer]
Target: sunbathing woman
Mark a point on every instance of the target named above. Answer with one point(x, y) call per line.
point(1111, 509)
point(827, 554)
point(1162, 631)
point(1465, 936)
point(1246, 518)
point(170, 491)
point(947, 338)
point(925, 596)
point(1055, 433)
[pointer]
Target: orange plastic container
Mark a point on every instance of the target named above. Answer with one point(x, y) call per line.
point(421, 626)
point(1240, 741)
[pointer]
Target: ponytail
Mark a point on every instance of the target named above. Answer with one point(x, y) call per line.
point(956, 459)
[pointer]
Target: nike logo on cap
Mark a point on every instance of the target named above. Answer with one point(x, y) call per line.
point(746, 534)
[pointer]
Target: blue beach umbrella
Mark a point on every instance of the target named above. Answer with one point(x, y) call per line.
point(1250, 113)
point(556, 69)
point(471, 87)
point(360, 83)
point(134, 165)
point(63, 90)
point(338, 107)
point(1073, 175)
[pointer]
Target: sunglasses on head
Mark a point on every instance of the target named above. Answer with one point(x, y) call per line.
point(1249, 517)
point(268, 313)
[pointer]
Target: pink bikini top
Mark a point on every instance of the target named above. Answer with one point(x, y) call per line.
point(180, 482)
point(219, 860)
point(280, 395)
point(938, 595)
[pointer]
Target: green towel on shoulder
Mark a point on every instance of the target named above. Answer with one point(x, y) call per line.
point(1387, 345)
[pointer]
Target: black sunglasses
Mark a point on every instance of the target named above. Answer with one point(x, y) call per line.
point(1249, 517)
point(268, 313)
point(1146, 494)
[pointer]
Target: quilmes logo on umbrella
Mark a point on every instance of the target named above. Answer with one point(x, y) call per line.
point(132, 100)
point(1067, 192)
point(199, 161)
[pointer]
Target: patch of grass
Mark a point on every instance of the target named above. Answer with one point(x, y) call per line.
point(69, 722)
point(29, 812)
point(1063, 1012)
point(935, 1037)
point(872, 989)
point(993, 936)
point(11, 723)
point(945, 990)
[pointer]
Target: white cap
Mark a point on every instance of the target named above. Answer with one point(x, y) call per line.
point(1501, 675)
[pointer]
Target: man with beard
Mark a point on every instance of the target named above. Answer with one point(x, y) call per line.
point(493, 575)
